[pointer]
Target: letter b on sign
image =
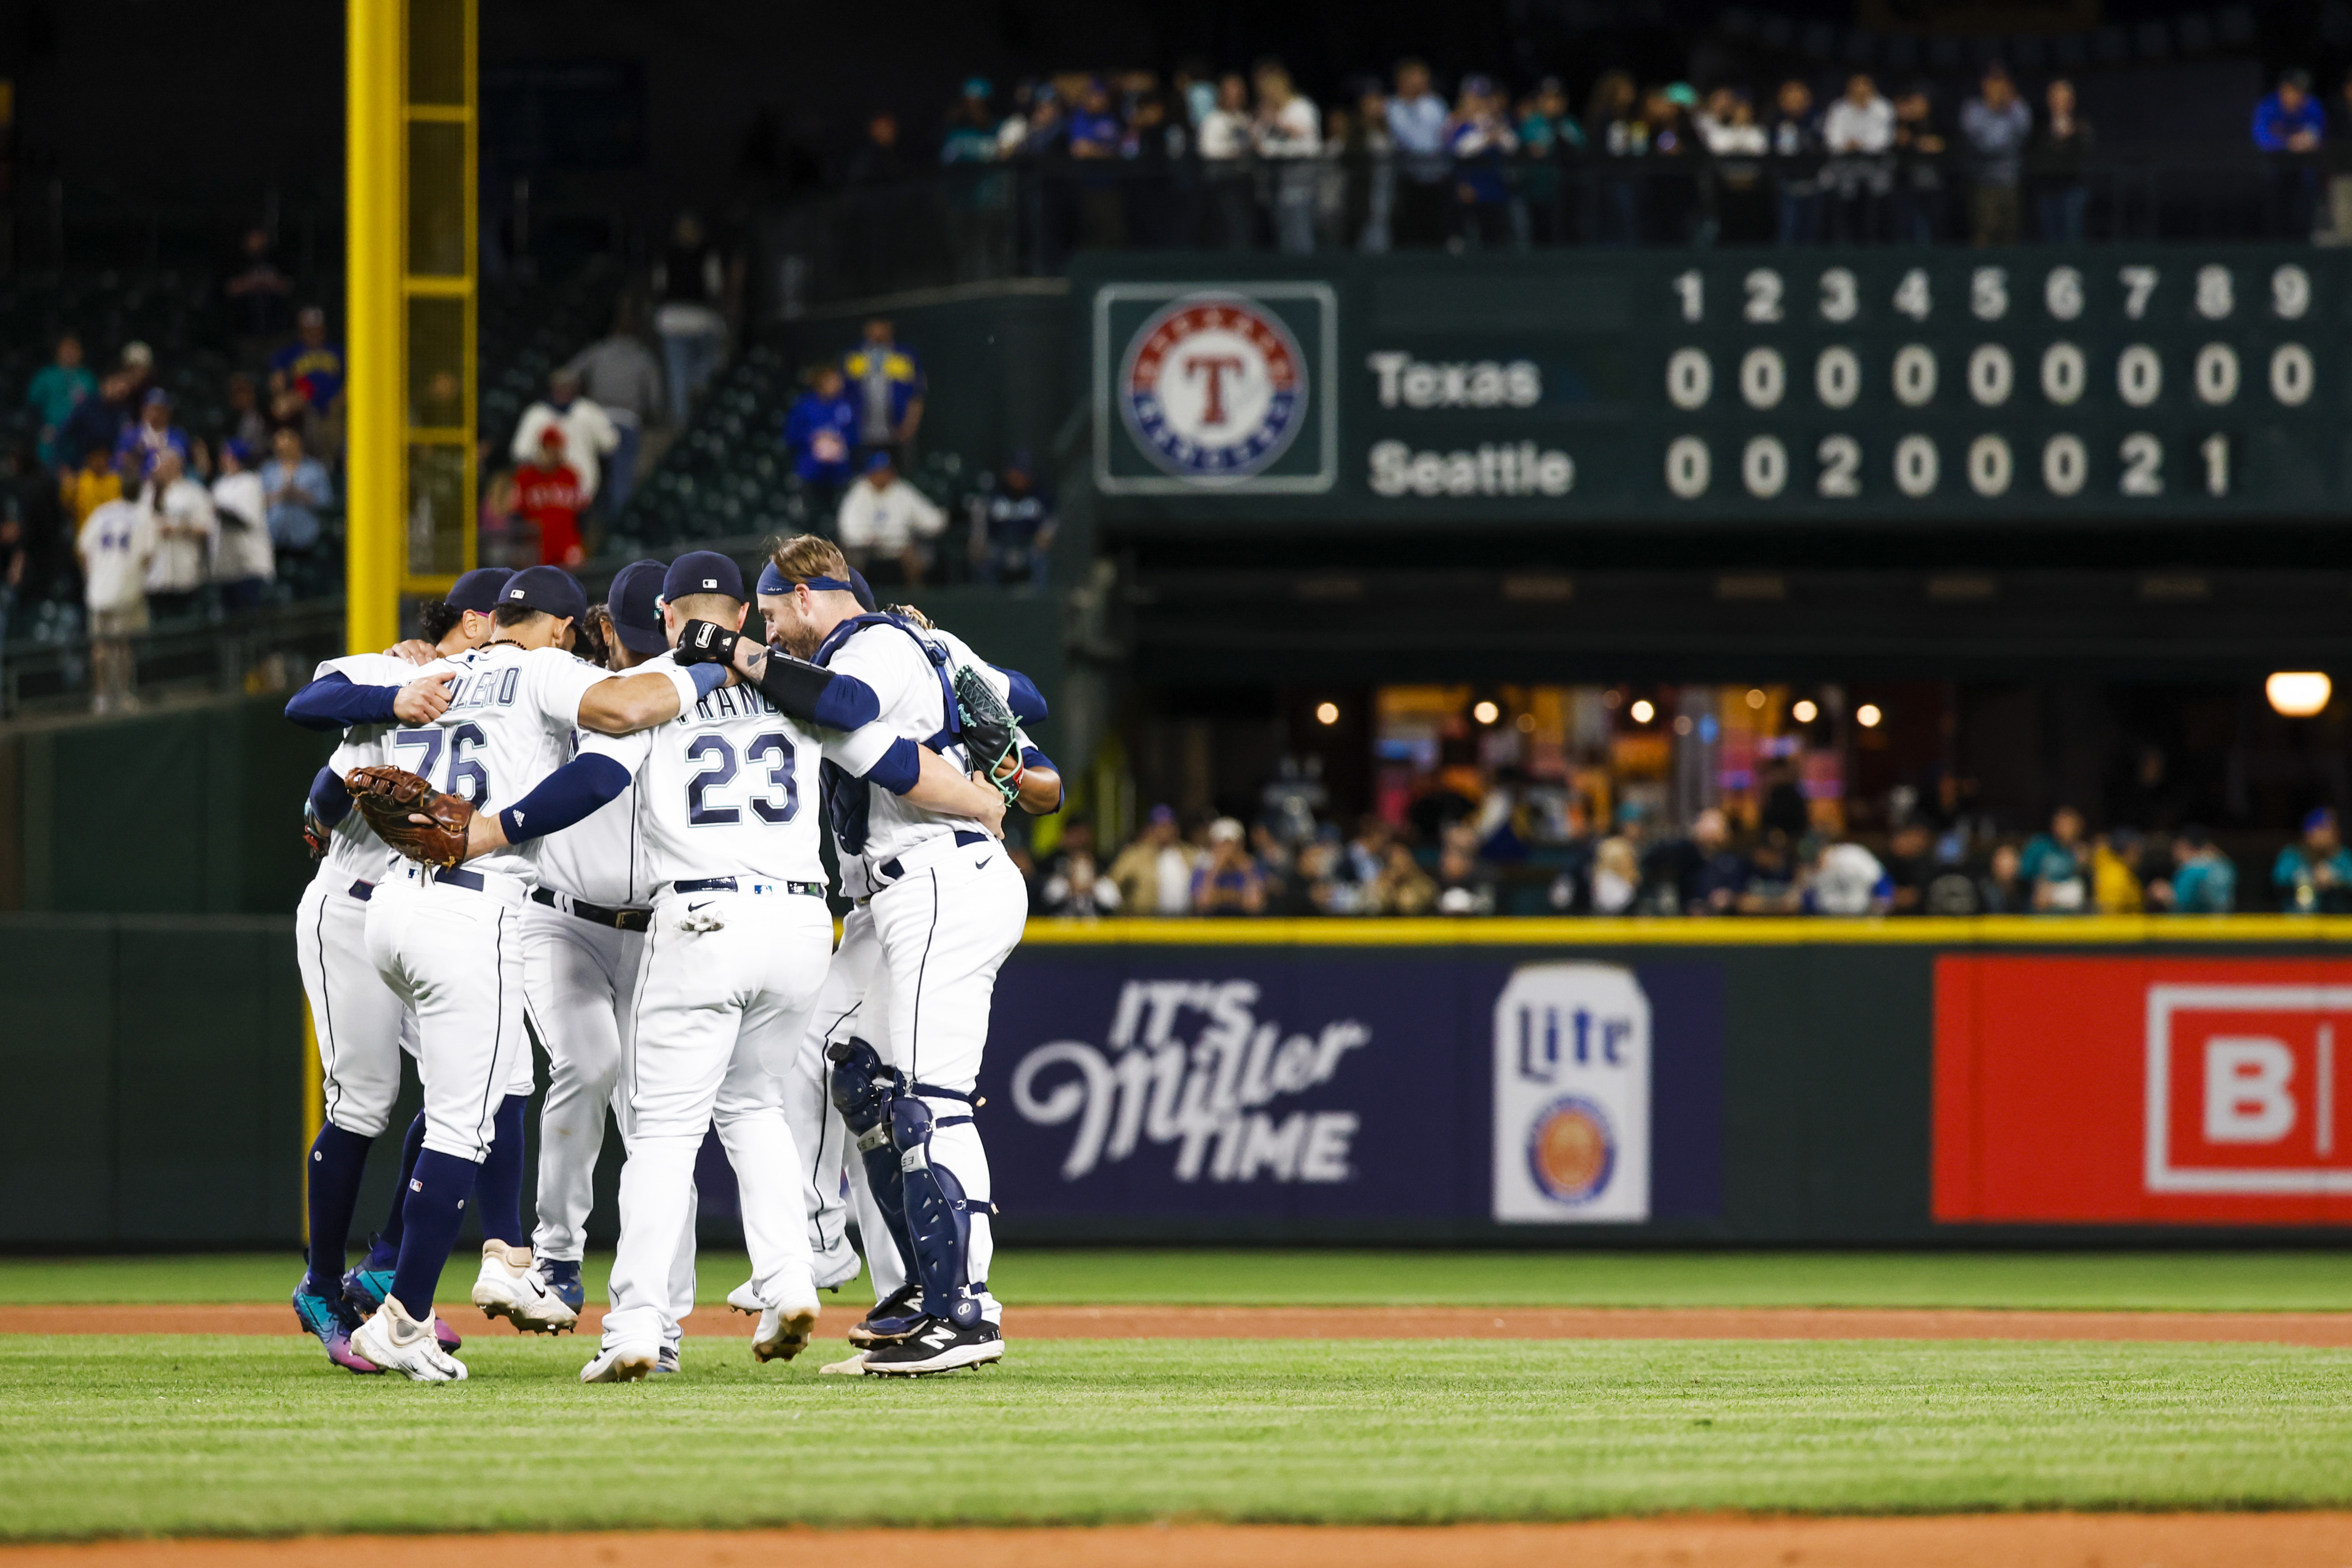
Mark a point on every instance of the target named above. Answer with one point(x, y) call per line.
point(2246, 1096)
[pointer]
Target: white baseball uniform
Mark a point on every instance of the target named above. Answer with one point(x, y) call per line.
point(728, 822)
point(451, 947)
point(359, 1021)
point(818, 1131)
point(947, 903)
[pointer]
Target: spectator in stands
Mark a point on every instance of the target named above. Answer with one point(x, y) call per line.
point(1155, 201)
point(1480, 140)
point(1071, 883)
point(2115, 873)
point(47, 534)
point(691, 282)
point(496, 543)
point(185, 529)
point(1096, 137)
point(2290, 120)
point(2003, 889)
point(887, 382)
point(1013, 527)
point(91, 486)
point(1797, 145)
point(971, 127)
point(260, 296)
point(1154, 873)
point(1738, 144)
point(297, 489)
point(98, 421)
point(138, 372)
point(885, 524)
point(1847, 879)
point(2056, 865)
point(2315, 877)
point(1224, 144)
point(620, 376)
point(1550, 139)
point(878, 160)
point(1716, 874)
point(243, 562)
point(1919, 170)
point(1227, 881)
point(56, 390)
point(2060, 152)
point(1402, 888)
point(2204, 882)
point(821, 432)
point(115, 544)
point(1858, 133)
point(246, 423)
point(1465, 884)
point(549, 497)
point(1910, 868)
point(155, 435)
point(312, 365)
point(1616, 876)
point(1289, 133)
point(1417, 126)
point(588, 433)
point(1997, 124)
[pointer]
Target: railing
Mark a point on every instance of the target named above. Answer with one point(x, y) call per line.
point(979, 222)
point(269, 650)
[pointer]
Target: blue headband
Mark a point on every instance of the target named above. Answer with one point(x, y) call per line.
point(774, 582)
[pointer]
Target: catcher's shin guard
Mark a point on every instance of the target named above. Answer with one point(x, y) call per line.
point(939, 1218)
point(863, 1090)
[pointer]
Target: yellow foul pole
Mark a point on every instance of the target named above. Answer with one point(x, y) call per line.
point(372, 402)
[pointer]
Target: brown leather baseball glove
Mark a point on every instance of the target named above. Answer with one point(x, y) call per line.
point(411, 815)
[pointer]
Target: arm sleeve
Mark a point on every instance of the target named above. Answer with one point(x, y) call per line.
point(1028, 703)
point(333, 702)
point(329, 799)
point(571, 793)
point(816, 695)
point(899, 768)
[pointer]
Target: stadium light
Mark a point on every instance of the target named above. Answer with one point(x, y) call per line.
point(1803, 711)
point(1485, 712)
point(1868, 715)
point(1326, 713)
point(1642, 712)
point(1755, 699)
point(2298, 693)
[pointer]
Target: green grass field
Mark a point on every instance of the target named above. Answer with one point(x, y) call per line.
point(181, 1435)
point(2187, 1281)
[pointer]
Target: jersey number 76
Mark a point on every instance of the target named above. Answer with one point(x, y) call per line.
point(466, 777)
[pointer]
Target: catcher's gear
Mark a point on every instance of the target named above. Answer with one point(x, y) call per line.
point(706, 642)
point(863, 1090)
point(991, 733)
point(392, 799)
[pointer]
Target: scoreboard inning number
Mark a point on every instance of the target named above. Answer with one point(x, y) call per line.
point(2049, 378)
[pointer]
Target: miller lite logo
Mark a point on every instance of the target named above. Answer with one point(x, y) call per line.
point(1213, 388)
point(1571, 1096)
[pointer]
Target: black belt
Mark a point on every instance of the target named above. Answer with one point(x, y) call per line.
point(728, 885)
point(964, 838)
point(595, 914)
point(472, 880)
point(363, 891)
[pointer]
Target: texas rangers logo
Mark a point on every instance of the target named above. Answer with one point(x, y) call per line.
point(1570, 1151)
point(1214, 388)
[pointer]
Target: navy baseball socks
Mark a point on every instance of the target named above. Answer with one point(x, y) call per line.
point(498, 1190)
point(384, 1252)
point(432, 1215)
point(338, 1158)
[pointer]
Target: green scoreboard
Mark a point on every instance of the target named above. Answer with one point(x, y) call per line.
point(1881, 387)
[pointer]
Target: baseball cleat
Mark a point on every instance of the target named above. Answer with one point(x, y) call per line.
point(893, 1317)
point(364, 1290)
point(936, 1345)
point(743, 1298)
point(562, 1276)
point(668, 1359)
point(333, 1322)
point(853, 1366)
point(509, 1288)
point(623, 1364)
point(394, 1341)
point(783, 1331)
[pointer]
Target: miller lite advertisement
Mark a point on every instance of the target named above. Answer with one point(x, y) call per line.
point(1572, 1096)
point(2143, 1091)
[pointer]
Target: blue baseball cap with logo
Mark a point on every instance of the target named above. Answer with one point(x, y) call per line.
point(703, 571)
point(478, 590)
point(551, 589)
point(634, 601)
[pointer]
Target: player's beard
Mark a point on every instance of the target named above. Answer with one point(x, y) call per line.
point(800, 639)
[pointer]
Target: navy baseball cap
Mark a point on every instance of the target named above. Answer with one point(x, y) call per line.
point(548, 588)
point(862, 588)
point(703, 571)
point(634, 601)
point(478, 590)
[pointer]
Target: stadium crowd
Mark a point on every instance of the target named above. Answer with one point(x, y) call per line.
point(1242, 161)
point(1290, 862)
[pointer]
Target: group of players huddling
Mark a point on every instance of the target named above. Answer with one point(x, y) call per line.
point(639, 889)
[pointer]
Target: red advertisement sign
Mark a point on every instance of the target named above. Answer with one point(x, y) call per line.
point(2153, 1092)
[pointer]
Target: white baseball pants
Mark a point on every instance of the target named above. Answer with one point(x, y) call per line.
point(579, 981)
point(454, 957)
point(818, 1131)
point(724, 993)
point(356, 1017)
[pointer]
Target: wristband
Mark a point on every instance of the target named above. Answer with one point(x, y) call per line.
point(708, 678)
point(689, 688)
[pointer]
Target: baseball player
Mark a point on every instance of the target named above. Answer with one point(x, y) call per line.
point(947, 906)
point(728, 825)
point(358, 1020)
point(448, 942)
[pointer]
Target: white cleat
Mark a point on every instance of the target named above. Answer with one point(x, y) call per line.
point(395, 1341)
point(743, 1298)
point(623, 1364)
point(783, 1331)
point(852, 1367)
point(509, 1288)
